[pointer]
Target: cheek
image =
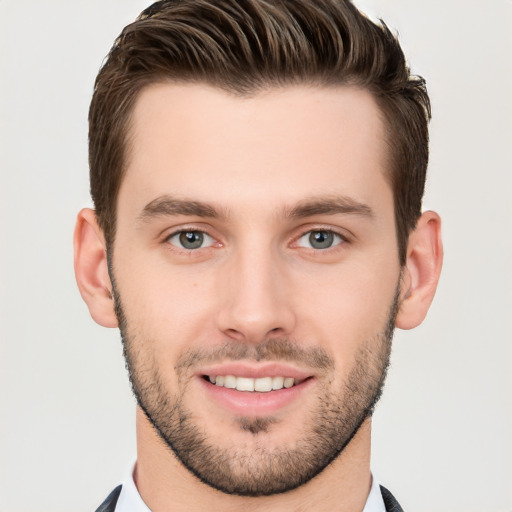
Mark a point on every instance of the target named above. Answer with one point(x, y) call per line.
point(169, 309)
point(348, 308)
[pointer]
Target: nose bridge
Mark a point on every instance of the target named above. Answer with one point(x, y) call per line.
point(255, 299)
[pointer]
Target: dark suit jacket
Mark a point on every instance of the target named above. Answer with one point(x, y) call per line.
point(109, 505)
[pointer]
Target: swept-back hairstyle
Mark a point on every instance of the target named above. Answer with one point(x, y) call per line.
point(245, 46)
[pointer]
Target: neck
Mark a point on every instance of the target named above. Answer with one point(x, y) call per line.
point(164, 483)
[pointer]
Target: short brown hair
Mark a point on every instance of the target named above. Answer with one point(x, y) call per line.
point(244, 46)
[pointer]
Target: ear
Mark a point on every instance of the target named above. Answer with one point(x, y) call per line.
point(91, 269)
point(422, 270)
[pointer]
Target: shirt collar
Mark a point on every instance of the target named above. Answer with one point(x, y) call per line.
point(374, 503)
point(129, 498)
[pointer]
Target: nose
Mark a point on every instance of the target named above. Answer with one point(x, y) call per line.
point(255, 297)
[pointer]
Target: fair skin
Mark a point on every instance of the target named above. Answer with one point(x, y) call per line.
point(256, 275)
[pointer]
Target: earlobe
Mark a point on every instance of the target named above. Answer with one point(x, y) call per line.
point(91, 268)
point(422, 271)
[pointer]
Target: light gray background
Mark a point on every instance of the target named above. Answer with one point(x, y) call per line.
point(442, 433)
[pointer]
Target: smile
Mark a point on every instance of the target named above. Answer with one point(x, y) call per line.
point(261, 384)
point(247, 388)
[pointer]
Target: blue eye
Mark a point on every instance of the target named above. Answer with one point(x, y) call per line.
point(191, 240)
point(320, 239)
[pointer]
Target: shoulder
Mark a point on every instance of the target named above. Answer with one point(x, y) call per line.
point(109, 505)
point(389, 501)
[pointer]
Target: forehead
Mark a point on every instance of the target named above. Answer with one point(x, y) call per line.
point(201, 142)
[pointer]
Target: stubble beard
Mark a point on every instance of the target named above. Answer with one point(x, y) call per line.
point(259, 470)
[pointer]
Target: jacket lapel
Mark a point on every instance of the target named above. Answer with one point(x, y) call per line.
point(390, 501)
point(109, 505)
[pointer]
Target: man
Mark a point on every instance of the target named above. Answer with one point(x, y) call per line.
point(257, 169)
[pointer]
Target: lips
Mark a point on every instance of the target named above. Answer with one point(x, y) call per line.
point(255, 370)
point(254, 390)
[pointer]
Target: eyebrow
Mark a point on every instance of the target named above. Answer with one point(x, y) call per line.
point(331, 205)
point(166, 206)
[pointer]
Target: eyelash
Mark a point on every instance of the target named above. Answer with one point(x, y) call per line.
point(343, 239)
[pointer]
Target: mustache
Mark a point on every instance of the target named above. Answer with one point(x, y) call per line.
point(273, 349)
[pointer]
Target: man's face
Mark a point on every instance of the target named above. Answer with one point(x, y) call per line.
point(256, 250)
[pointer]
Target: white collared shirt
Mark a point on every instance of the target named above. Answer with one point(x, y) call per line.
point(131, 501)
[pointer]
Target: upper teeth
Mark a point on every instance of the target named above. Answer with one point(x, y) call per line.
point(262, 384)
